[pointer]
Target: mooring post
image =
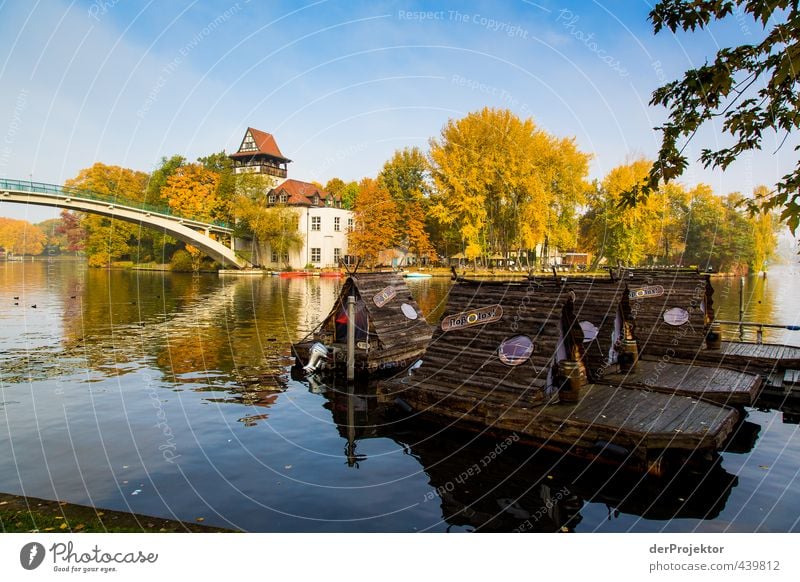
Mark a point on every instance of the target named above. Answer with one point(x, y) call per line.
point(351, 338)
point(741, 306)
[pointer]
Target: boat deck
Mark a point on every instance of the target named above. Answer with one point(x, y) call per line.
point(749, 357)
point(636, 425)
point(719, 385)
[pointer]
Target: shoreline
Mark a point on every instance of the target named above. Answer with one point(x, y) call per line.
point(20, 514)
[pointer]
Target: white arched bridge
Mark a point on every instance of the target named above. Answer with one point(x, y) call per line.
point(194, 232)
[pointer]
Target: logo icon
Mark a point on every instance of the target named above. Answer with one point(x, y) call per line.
point(31, 555)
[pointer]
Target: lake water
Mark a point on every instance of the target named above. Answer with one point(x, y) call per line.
point(171, 395)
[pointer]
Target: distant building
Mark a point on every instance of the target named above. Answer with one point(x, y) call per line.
point(323, 223)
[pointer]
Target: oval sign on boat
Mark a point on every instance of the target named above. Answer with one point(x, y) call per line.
point(589, 331)
point(409, 311)
point(384, 296)
point(515, 350)
point(676, 316)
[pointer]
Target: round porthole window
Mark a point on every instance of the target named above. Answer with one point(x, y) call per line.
point(515, 350)
point(409, 311)
point(676, 316)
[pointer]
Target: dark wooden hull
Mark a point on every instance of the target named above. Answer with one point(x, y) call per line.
point(638, 429)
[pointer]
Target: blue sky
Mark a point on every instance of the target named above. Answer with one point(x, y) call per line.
point(341, 85)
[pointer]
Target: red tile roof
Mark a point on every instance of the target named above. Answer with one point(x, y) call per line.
point(302, 193)
point(265, 144)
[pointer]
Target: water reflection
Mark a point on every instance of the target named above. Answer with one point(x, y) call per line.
point(500, 485)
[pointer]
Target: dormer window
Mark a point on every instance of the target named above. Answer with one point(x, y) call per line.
point(316, 199)
point(284, 198)
point(271, 198)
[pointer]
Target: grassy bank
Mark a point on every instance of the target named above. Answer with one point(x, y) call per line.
point(29, 514)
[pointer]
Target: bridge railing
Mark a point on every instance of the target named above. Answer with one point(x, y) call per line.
point(69, 192)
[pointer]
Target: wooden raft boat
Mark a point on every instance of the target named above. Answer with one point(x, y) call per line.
point(700, 343)
point(622, 323)
point(391, 331)
point(507, 358)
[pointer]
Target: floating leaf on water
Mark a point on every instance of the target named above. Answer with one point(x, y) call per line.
point(200, 519)
point(63, 526)
point(136, 492)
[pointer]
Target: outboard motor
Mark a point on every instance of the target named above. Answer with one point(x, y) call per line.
point(317, 355)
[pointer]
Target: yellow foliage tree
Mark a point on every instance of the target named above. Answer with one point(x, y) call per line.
point(375, 215)
point(108, 239)
point(20, 237)
point(191, 192)
point(505, 184)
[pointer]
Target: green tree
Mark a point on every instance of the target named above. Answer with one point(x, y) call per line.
point(159, 176)
point(752, 88)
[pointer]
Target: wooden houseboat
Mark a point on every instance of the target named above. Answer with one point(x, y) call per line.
point(508, 358)
point(390, 329)
point(687, 295)
point(633, 340)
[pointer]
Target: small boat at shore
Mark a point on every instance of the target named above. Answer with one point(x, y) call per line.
point(292, 274)
point(390, 330)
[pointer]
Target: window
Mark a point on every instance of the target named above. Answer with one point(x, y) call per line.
point(274, 257)
point(316, 255)
point(350, 224)
point(316, 199)
point(337, 255)
point(316, 223)
point(336, 221)
point(284, 198)
point(286, 258)
point(271, 198)
point(329, 201)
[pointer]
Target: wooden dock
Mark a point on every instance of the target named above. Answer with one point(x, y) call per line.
point(715, 384)
point(750, 357)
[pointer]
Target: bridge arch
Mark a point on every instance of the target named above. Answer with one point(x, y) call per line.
point(193, 232)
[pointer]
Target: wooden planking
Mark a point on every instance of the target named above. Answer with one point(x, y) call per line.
point(710, 383)
point(643, 422)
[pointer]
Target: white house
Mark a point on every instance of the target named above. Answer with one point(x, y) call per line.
point(323, 223)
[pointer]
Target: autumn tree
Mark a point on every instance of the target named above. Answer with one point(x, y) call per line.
point(505, 184)
point(70, 227)
point(277, 224)
point(20, 237)
point(404, 176)
point(158, 178)
point(108, 239)
point(765, 225)
point(191, 192)
point(751, 88)
point(347, 191)
point(375, 216)
point(620, 233)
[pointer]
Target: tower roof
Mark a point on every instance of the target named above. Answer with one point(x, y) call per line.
point(257, 142)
